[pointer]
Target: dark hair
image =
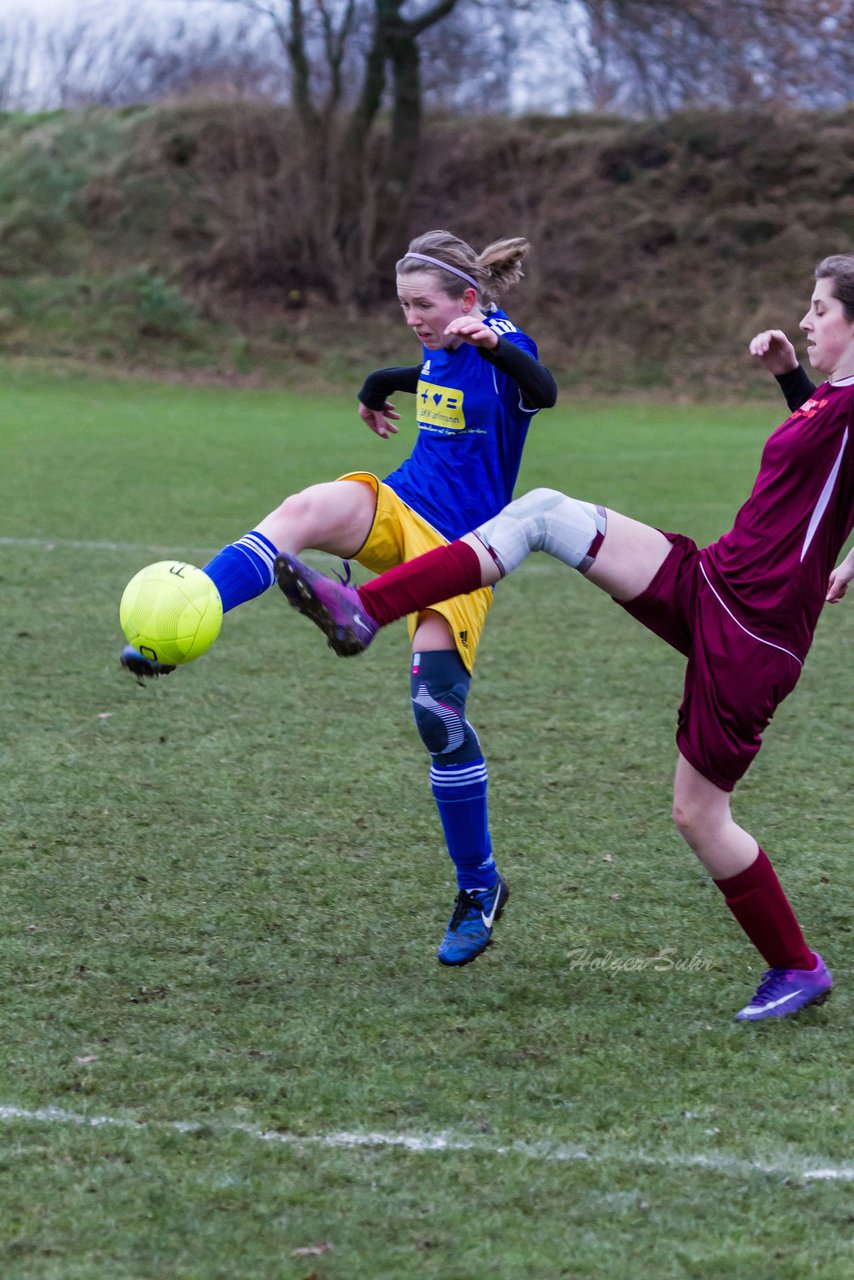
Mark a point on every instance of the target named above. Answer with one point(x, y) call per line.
point(840, 269)
point(494, 270)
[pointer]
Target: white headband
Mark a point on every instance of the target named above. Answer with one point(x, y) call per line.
point(446, 266)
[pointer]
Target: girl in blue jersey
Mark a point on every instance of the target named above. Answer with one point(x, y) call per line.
point(477, 385)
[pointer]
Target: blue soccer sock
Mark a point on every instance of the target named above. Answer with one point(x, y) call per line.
point(243, 570)
point(460, 794)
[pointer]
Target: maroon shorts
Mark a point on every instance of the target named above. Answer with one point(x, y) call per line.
point(733, 682)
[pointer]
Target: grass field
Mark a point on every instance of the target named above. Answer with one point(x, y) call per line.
point(228, 1050)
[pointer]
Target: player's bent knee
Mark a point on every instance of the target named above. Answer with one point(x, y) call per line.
point(301, 518)
point(439, 689)
point(440, 727)
point(545, 520)
point(297, 506)
point(289, 514)
point(692, 822)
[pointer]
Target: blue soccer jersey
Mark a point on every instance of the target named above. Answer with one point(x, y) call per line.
point(472, 427)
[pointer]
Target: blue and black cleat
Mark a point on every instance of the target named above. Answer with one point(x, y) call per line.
point(141, 667)
point(470, 927)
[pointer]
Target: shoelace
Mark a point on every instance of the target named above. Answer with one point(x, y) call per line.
point(344, 578)
point(770, 986)
point(464, 903)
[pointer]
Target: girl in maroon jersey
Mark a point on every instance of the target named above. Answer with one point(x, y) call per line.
point(743, 611)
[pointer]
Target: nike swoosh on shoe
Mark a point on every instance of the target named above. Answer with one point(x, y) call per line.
point(489, 920)
point(773, 1004)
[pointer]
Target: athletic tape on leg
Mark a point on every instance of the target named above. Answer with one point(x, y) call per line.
point(545, 520)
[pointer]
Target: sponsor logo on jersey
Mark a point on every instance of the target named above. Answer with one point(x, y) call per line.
point(810, 408)
point(440, 408)
point(501, 326)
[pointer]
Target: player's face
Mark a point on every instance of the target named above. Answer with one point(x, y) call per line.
point(830, 335)
point(428, 310)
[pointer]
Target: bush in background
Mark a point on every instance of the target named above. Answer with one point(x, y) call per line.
point(170, 236)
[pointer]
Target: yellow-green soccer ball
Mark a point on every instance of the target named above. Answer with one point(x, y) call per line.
point(171, 612)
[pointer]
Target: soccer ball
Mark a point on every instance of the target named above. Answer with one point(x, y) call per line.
point(171, 612)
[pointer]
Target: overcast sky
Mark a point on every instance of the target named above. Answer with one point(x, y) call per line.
point(528, 91)
point(109, 9)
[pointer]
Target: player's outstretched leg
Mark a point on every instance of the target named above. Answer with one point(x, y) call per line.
point(783, 992)
point(470, 927)
point(336, 609)
point(543, 520)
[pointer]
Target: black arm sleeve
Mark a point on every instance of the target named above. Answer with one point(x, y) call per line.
point(535, 381)
point(382, 383)
point(796, 386)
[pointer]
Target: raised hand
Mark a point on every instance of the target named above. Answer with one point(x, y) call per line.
point(474, 330)
point(773, 349)
point(381, 421)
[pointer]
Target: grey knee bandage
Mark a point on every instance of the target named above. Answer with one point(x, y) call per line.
point(545, 520)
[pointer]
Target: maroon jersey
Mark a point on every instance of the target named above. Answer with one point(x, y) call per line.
point(771, 570)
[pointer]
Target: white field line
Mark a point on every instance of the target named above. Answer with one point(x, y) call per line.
point(76, 544)
point(805, 1170)
point(543, 564)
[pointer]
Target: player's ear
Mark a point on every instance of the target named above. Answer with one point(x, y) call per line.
point(469, 299)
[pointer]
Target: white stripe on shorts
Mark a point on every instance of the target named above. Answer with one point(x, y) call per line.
point(741, 627)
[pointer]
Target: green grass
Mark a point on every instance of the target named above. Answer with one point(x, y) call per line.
point(222, 895)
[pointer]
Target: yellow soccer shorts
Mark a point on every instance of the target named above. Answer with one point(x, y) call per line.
point(399, 534)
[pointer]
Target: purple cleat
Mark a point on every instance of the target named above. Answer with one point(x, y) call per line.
point(336, 609)
point(783, 992)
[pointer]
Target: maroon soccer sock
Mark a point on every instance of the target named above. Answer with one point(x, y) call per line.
point(756, 899)
point(440, 574)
